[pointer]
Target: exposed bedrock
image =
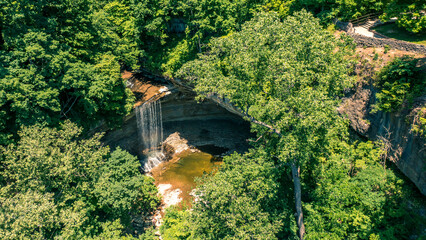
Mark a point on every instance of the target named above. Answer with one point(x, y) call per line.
point(204, 125)
point(406, 149)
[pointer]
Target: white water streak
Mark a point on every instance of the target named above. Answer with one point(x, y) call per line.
point(150, 128)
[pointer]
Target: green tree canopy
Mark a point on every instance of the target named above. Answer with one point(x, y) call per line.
point(284, 76)
point(61, 185)
point(121, 187)
point(197, 20)
point(357, 197)
point(62, 60)
point(28, 215)
point(349, 194)
point(399, 81)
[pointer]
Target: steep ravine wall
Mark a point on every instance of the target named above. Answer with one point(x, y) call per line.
point(406, 149)
point(204, 124)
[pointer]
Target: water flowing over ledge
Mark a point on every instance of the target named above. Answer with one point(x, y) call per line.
point(150, 130)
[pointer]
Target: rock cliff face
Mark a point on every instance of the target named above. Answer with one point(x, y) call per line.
point(204, 125)
point(406, 150)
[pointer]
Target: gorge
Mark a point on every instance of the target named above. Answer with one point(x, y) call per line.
point(211, 120)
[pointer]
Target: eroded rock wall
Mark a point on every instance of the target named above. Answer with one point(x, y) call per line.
point(406, 149)
point(205, 125)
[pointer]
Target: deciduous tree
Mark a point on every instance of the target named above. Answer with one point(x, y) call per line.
point(62, 185)
point(285, 76)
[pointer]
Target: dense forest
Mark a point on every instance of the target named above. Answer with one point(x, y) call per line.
point(279, 62)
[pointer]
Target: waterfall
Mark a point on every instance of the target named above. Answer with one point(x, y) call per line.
point(150, 129)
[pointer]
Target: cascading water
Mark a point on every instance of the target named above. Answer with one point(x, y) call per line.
point(150, 128)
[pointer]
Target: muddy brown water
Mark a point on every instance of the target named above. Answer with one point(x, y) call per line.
point(182, 171)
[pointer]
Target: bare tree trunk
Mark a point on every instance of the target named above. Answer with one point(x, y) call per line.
point(199, 44)
point(295, 171)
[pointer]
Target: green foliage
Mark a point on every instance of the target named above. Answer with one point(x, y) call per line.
point(121, 187)
point(399, 81)
point(284, 74)
point(243, 200)
point(50, 160)
point(117, 26)
point(28, 215)
point(387, 48)
point(61, 60)
point(419, 122)
point(183, 51)
point(167, 47)
point(201, 16)
point(345, 10)
point(410, 14)
point(111, 231)
point(176, 224)
point(354, 196)
point(358, 198)
point(376, 57)
point(282, 7)
point(149, 234)
point(67, 187)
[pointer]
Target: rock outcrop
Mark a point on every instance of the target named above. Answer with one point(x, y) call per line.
point(175, 144)
point(406, 149)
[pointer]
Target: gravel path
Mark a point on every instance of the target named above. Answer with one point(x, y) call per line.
point(363, 31)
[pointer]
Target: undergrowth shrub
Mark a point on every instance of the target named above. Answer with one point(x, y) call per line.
point(397, 82)
point(419, 123)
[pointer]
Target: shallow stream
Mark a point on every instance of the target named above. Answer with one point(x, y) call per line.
point(181, 172)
